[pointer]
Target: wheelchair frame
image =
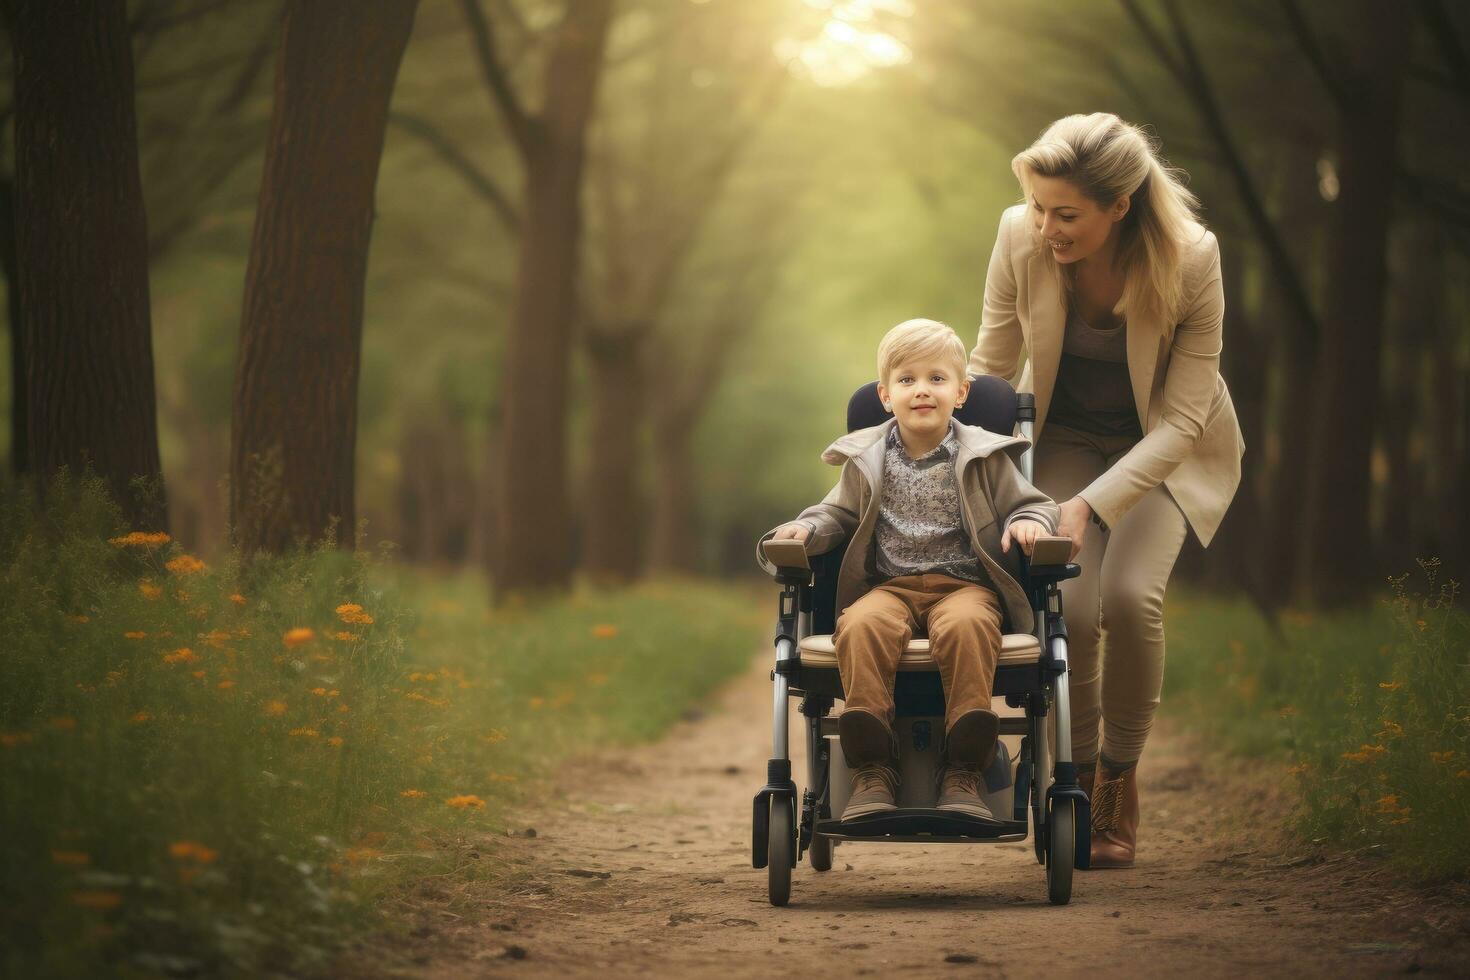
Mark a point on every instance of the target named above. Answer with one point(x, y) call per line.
point(1058, 808)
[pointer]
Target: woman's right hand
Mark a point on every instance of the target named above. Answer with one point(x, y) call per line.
point(792, 532)
point(1076, 514)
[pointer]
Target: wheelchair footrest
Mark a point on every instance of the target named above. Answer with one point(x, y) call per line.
point(922, 825)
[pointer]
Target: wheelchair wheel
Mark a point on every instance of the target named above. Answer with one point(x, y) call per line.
point(1061, 833)
point(780, 852)
point(820, 853)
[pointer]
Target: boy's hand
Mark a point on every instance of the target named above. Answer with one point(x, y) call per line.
point(1024, 533)
point(793, 532)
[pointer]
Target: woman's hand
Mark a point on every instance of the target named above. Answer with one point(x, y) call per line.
point(1076, 514)
point(793, 532)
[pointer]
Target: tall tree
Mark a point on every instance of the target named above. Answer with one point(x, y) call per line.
point(295, 408)
point(81, 244)
point(532, 513)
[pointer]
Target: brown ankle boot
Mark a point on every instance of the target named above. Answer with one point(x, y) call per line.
point(1115, 820)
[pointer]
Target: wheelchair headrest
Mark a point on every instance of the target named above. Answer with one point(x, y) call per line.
point(991, 405)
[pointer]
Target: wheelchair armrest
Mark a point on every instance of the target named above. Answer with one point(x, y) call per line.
point(1053, 573)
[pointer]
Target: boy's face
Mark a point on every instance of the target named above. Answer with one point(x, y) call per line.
point(922, 394)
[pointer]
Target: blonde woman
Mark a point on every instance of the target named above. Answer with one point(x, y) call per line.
point(1106, 281)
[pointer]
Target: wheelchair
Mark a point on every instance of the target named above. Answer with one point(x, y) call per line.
point(1035, 791)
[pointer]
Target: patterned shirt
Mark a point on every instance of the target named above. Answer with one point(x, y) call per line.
point(920, 528)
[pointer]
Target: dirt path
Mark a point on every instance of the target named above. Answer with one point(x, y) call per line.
point(640, 867)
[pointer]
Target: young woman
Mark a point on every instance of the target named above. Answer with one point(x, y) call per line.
point(1112, 288)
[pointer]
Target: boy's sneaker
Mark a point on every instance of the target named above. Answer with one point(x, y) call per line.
point(874, 790)
point(960, 792)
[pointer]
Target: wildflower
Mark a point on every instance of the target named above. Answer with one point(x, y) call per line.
point(537, 701)
point(1388, 803)
point(1463, 774)
point(11, 739)
point(198, 675)
point(79, 619)
point(149, 591)
point(1298, 769)
point(225, 685)
point(140, 539)
point(351, 612)
point(215, 638)
point(135, 635)
point(243, 633)
point(1390, 685)
point(465, 802)
point(96, 900)
point(413, 794)
point(1443, 757)
point(140, 717)
point(190, 850)
point(320, 692)
point(604, 631)
point(496, 735)
point(303, 733)
point(436, 702)
point(237, 599)
point(296, 637)
point(1391, 729)
point(183, 655)
point(1365, 753)
point(274, 708)
point(64, 724)
point(343, 709)
point(71, 859)
point(346, 637)
point(417, 677)
point(335, 741)
point(184, 565)
point(1421, 624)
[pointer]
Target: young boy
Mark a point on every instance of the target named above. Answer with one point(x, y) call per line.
point(935, 512)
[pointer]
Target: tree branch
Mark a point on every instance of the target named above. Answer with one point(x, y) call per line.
point(522, 126)
point(478, 181)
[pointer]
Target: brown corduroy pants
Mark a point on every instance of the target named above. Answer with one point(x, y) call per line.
point(962, 621)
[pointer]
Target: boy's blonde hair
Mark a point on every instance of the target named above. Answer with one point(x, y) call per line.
point(919, 338)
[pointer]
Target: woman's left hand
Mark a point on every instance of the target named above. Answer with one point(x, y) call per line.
point(1076, 514)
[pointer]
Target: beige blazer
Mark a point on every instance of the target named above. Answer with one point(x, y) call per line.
point(1191, 440)
point(993, 495)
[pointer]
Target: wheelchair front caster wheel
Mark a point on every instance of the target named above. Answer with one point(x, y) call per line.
point(820, 853)
point(1061, 845)
point(780, 851)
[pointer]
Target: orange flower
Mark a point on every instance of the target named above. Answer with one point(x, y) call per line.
point(1463, 774)
point(140, 717)
point(96, 900)
point(296, 637)
point(215, 638)
point(343, 709)
point(1365, 753)
point(71, 859)
point(465, 802)
point(1391, 729)
point(198, 675)
point(135, 635)
point(11, 739)
point(64, 724)
point(1443, 758)
point(184, 565)
point(1390, 685)
point(335, 741)
point(537, 701)
point(140, 539)
point(346, 637)
point(413, 794)
point(274, 708)
point(1298, 769)
point(320, 692)
point(225, 685)
point(496, 735)
point(79, 619)
point(304, 732)
point(351, 612)
point(183, 655)
point(237, 599)
point(190, 850)
point(604, 631)
point(149, 591)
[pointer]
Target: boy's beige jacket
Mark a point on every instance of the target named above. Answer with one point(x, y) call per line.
point(1192, 442)
point(992, 495)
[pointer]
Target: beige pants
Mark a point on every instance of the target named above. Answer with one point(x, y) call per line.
point(962, 621)
point(1115, 609)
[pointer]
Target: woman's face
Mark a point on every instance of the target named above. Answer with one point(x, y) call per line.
point(1071, 224)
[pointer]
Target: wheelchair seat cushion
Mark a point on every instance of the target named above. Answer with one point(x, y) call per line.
point(1016, 650)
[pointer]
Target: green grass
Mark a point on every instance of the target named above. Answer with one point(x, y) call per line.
point(218, 793)
point(1368, 711)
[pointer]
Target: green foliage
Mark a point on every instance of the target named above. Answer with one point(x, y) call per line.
point(1370, 710)
point(218, 768)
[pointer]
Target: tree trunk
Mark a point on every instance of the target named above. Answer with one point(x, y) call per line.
point(295, 409)
point(675, 534)
point(81, 242)
point(19, 455)
point(532, 510)
point(614, 528)
point(1339, 478)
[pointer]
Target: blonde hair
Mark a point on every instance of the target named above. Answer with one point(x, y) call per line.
point(919, 338)
point(1106, 158)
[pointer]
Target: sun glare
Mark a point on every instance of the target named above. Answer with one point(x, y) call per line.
point(848, 46)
